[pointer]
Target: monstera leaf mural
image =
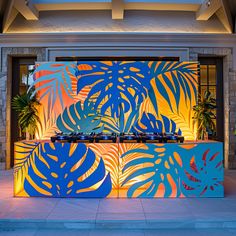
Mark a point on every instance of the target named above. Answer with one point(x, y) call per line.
point(157, 168)
point(64, 170)
point(114, 83)
point(54, 81)
point(149, 123)
point(204, 175)
point(79, 118)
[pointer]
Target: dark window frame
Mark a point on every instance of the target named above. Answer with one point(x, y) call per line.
point(15, 86)
point(218, 62)
point(117, 59)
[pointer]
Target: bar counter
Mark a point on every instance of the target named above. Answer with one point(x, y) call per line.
point(118, 170)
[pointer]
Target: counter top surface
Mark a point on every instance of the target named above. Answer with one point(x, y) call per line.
point(185, 142)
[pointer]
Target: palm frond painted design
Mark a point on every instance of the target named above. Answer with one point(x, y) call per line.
point(173, 93)
point(170, 170)
point(114, 83)
point(124, 123)
point(109, 154)
point(128, 119)
point(172, 77)
point(80, 118)
point(63, 170)
point(110, 124)
point(47, 126)
point(24, 157)
point(54, 83)
point(156, 173)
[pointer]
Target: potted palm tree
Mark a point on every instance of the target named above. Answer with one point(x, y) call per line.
point(26, 107)
point(203, 115)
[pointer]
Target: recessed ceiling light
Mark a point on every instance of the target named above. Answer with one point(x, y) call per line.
point(208, 3)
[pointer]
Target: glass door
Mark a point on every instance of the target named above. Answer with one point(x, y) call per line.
point(21, 80)
point(211, 79)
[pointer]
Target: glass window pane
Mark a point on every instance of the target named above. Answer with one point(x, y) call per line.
point(212, 74)
point(26, 78)
point(203, 89)
point(30, 74)
point(23, 79)
point(203, 75)
point(212, 90)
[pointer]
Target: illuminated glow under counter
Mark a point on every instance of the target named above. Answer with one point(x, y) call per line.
point(190, 169)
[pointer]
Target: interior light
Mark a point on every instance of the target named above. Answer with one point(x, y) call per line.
point(208, 3)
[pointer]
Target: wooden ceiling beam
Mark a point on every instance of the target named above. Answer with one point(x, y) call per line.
point(117, 8)
point(225, 17)
point(9, 15)
point(27, 9)
point(161, 6)
point(73, 6)
point(207, 9)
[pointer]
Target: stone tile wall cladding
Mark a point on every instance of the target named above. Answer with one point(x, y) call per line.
point(5, 53)
point(229, 77)
point(194, 53)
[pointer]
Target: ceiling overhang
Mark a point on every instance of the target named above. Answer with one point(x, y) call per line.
point(204, 8)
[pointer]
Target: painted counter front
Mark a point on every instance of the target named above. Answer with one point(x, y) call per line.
point(112, 170)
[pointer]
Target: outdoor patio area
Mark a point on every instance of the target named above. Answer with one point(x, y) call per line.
point(35, 216)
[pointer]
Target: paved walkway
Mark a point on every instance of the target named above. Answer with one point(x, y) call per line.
point(117, 214)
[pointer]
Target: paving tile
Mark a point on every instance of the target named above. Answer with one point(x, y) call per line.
point(29, 204)
point(164, 205)
point(63, 232)
point(77, 205)
point(204, 211)
point(110, 232)
point(30, 232)
point(173, 232)
point(215, 232)
point(6, 193)
point(120, 206)
point(170, 217)
point(26, 215)
point(188, 232)
point(79, 217)
point(119, 217)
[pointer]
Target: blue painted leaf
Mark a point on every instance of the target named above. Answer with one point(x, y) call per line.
point(204, 175)
point(80, 118)
point(67, 170)
point(24, 152)
point(116, 83)
point(177, 76)
point(155, 166)
point(58, 78)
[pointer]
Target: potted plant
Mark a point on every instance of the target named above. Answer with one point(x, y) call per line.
point(203, 115)
point(26, 107)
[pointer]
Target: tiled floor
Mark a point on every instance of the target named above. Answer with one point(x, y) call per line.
point(109, 232)
point(95, 215)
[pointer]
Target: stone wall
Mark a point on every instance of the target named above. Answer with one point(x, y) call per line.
point(229, 83)
point(3, 76)
point(5, 84)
